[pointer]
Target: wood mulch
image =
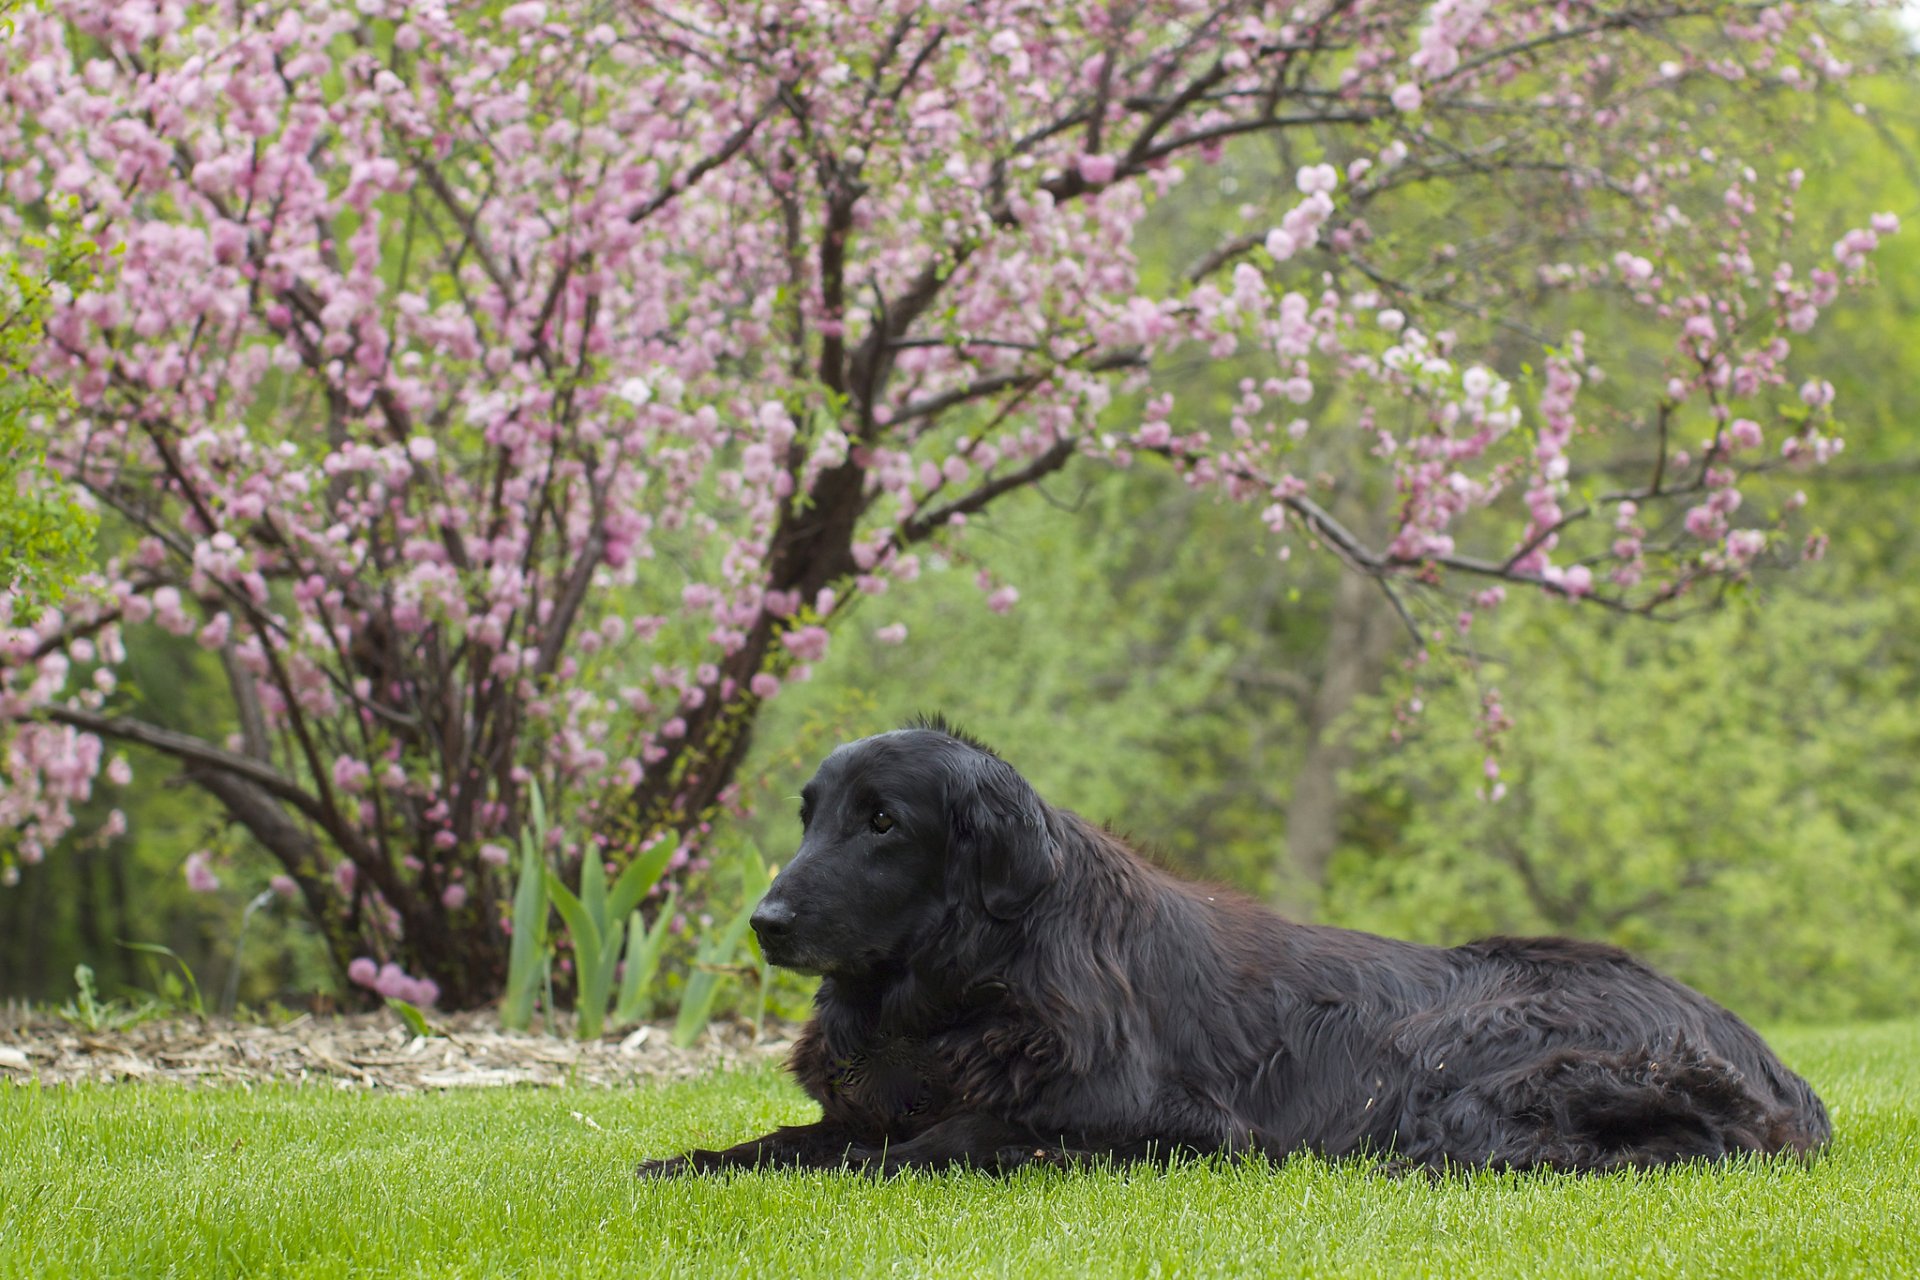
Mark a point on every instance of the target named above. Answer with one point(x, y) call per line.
point(365, 1051)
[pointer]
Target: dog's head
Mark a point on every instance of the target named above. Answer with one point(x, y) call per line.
point(901, 830)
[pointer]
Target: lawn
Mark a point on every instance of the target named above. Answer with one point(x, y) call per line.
point(159, 1181)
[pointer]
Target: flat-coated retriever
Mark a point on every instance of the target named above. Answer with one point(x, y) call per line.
point(1006, 984)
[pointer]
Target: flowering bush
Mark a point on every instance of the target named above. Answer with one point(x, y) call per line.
point(529, 393)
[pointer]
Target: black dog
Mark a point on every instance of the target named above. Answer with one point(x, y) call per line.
point(1007, 984)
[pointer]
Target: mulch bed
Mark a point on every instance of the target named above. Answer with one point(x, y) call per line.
point(365, 1051)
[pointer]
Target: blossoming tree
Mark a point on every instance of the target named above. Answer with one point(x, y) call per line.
point(526, 393)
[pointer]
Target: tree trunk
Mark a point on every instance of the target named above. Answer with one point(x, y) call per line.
point(467, 963)
point(1360, 637)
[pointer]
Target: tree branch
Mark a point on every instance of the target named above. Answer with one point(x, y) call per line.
point(194, 751)
point(927, 523)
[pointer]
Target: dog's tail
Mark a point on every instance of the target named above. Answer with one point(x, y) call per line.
point(1594, 1110)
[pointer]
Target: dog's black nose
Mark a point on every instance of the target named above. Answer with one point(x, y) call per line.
point(772, 919)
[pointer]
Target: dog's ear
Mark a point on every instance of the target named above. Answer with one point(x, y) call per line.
point(999, 852)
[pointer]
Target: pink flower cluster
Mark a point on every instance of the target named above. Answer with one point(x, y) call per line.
point(391, 982)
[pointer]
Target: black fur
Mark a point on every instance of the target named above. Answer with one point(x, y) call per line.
point(1006, 984)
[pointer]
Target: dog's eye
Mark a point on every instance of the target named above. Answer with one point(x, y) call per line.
point(882, 823)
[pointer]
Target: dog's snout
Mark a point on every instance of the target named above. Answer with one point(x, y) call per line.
point(772, 919)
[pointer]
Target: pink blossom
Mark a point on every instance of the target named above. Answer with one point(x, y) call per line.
point(524, 16)
point(1003, 600)
point(199, 872)
point(892, 633)
point(393, 983)
point(495, 855)
point(284, 886)
point(1745, 544)
point(1316, 178)
point(350, 774)
point(1098, 170)
point(454, 897)
point(809, 643)
point(764, 685)
point(1816, 392)
point(1852, 249)
point(363, 971)
point(214, 634)
point(1406, 96)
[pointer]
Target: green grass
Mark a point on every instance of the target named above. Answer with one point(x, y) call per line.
point(159, 1181)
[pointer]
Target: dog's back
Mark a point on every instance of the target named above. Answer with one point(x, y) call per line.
point(1516, 1052)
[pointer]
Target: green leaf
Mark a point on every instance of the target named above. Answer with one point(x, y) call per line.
point(644, 948)
point(580, 925)
point(703, 985)
point(596, 984)
point(595, 950)
point(416, 1021)
point(154, 948)
point(526, 958)
point(638, 878)
point(593, 889)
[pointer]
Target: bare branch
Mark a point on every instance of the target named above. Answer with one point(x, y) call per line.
point(935, 405)
point(680, 183)
point(924, 525)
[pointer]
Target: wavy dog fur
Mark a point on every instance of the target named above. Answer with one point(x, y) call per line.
point(1006, 983)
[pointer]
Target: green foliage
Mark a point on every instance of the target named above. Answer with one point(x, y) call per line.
point(416, 1021)
point(139, 1180)
point(606, 928)
point(174, 991)
point(1147, 676)
point(597, 922)
point(75, 907)
point(645, 945)
point(1731, 800)
point(717, 954)
point(529, 956)
point(45, 530)
point(89, 1012)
